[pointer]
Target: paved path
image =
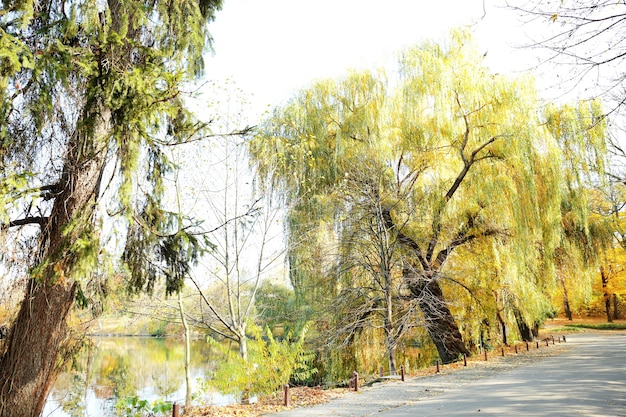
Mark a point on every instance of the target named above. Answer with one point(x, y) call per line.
point(588, 378)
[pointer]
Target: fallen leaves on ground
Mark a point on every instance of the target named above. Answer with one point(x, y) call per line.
point(298, 397)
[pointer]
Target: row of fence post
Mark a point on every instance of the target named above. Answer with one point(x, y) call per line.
point(437, 363)
point(354, 381)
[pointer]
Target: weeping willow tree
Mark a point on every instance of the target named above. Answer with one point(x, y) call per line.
point(468, 158)
point(584, 236)
point(90, 96)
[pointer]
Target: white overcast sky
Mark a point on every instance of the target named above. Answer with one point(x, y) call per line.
point(273, 48)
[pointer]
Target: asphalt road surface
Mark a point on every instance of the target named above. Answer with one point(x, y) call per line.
point(587, 378)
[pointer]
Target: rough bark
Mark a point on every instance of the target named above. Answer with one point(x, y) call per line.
point(39, 334)
point(440, 323)
point(422, 282)
point(30, 362)
point(525, 331)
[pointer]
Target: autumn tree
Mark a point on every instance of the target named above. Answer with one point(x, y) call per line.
point(585, 234)
point(609, 278)
point(583, 41)
point(91, 93)
point(468, 157)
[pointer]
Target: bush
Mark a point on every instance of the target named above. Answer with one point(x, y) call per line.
point(271, 364)
point(134, 407)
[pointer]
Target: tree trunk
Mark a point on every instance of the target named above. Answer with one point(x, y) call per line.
point(535, 330)
point(243, 345)
point(568, 309)
point(390, 339)
point(440, 322)
point(566, 306)
point(607, 306)
point(500, 317)
point(391, 353)
point(30, 363)
point(183, 319)
point(393, 361)
point(604, 276)
point(243, 352)
point(525, 331)
point(616, 314)
point(39, 335)
point(502, 327)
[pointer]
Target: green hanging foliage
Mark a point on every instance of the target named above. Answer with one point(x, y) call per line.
point(91, 93)
point(467, 156)
point(160, 246)
point(102, 79)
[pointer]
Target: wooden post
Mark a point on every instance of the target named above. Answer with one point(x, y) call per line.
point(382, 374)
point(402, 373)
point(485, 354)
point(437, 365)
point(176, 410)
point(527, 348)
point(355, 375)
point(464, 359)
point(286, 395)
point(502, 351)
point(516, 349)
point(537, 344)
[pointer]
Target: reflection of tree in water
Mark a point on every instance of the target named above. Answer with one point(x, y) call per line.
point(117, 368)
point(73, 397)
point(168, 376)
point(74, 402)
point(116, 373)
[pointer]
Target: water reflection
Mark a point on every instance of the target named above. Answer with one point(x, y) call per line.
point(118, 367)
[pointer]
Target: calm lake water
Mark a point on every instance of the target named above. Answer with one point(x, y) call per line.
point(114, 368)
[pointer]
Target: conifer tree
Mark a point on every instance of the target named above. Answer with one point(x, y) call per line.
point(90, 96)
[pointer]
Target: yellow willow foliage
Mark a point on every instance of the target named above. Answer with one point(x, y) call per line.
point(461, 152)
point(613, 260)
point(494, 283)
